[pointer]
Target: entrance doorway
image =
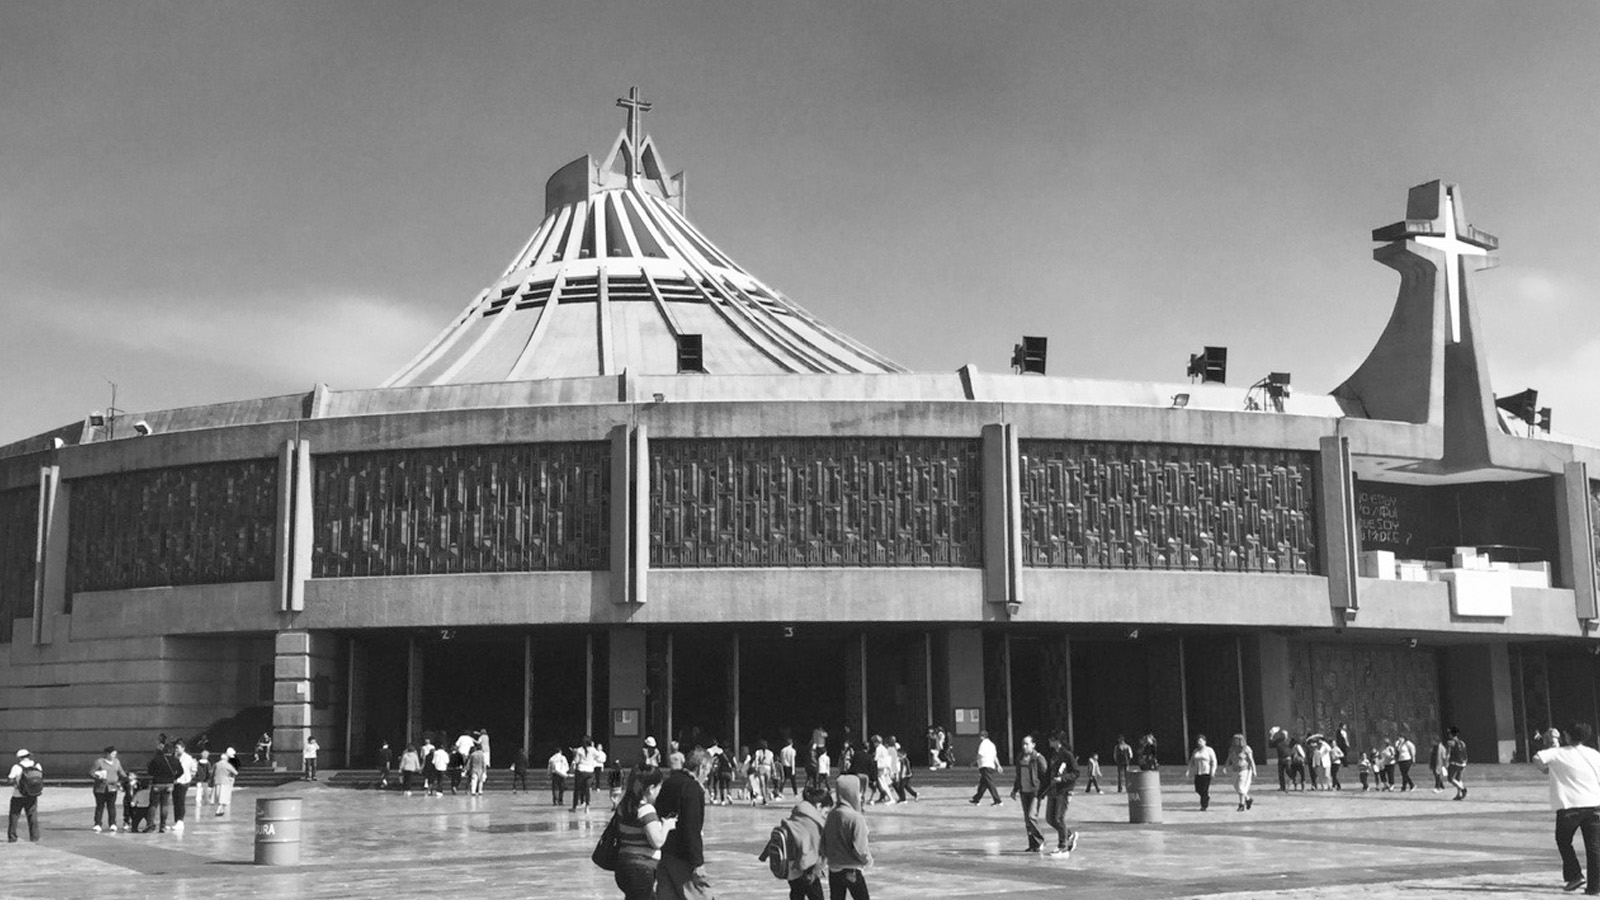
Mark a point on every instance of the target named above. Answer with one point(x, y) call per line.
point(471, 682)
point(789, 685)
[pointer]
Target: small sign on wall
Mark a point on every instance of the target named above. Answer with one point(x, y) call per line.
point(625, 723)
point(967, 720)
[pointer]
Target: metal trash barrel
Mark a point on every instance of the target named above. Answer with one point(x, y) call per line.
point(277, 831)
point(1144, 797)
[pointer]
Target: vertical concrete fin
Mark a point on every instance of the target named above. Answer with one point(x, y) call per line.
point(1340, 539)
point(621, 512)
point(283, 553)
point(49, 553)
point(639, 514)
point(302, 531)
point(1002, 515)
point(1575, 530)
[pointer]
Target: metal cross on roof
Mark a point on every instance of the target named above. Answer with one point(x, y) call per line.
point(635, 107)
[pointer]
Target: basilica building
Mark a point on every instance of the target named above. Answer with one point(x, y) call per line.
point(631, 490)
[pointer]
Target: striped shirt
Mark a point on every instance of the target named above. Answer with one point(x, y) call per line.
point(635, 844)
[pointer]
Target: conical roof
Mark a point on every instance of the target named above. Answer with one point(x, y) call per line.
point(612, 279)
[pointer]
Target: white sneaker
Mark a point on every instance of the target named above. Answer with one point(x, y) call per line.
point(112, 828)
point(97, 829)
point(177, 827)
point(1072, 841)
point(1060, 853)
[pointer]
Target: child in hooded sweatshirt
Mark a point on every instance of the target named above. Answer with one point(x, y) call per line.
point(805, 823)
point(844, 843)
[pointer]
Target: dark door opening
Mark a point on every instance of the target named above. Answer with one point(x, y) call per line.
point(471, 683)
point(791, 685)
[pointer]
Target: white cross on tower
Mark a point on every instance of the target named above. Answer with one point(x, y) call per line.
point(1456, 250)
point(635, 107)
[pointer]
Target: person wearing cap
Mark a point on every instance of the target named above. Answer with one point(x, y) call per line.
point(108, 776)
point(22, 803)
point(652, 753)
point(223, 775)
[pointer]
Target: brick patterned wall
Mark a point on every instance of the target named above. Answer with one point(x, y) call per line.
point(1168, 506)
point(815, 502)
point(204, 524)
point(510, 508)
point(19, 534)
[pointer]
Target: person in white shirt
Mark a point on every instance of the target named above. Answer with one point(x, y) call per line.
point(787, 759)
point(1574, 772)
point(180, 785)
point(988, 763)
point(1202, 765)
point(308, 756)
point(887, 764)
point(583, 765)
point(558, 777)
point(439, 765)
point(1405, 753)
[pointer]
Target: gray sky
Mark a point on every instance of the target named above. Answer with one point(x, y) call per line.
point(219, 200)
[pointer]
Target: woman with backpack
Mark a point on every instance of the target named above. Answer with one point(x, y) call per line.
point(640, 835)
point(27, 783)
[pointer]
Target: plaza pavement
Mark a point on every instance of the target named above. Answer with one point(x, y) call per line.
point(365, 845)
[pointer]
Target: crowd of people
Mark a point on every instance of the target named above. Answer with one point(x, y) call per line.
point(822, 845)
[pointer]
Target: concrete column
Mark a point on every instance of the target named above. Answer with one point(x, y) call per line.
point(283, 554)
point(1336, 527)
point(304, 527)
point(588, 684)
point(1268, 699)
point(527, 692)
point(961, 673)
point(1575, 536)
point(302, 661)
point(627, 661)
point(735, 688)
point(1183, 694)
point(414, 691)
point(1475, 688)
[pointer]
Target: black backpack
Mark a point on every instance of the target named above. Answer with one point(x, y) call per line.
point(31, 782)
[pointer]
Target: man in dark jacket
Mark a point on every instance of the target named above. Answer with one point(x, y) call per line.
point(1278, 740)
point(1063, 774)
point(682, 872)
point(1031, 780)
point(163, 770)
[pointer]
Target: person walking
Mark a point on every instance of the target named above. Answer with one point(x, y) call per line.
point(681, 874)
point(1456, 762)
point(1386, 765)
point(107, 774)
point(1122, 757)
point(1438, 758)
point(410, 767)
point(846, 844)
point(205, 776)
point(787, 759)
point(1278, 741)
point(477, 771)
point(1405, 753)
point(762, 768)
point(1093, 764)
point(27, 783)
point(558, 768)
point(583, 758)
point(1032, 771)
point(519, 770)
point(641, 832)
point(805, 825)
point(1242, 763)
point(224, 774)
point(438, 768)
point(163, 770)
point(902, 774)
point(885, 769)
point(180, 785)
point(1202, 766)
point(988, 763)
point(1574, 772)
point(1061, 776)
point(308, 759)
point(385, 764)
point(1336, 762)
